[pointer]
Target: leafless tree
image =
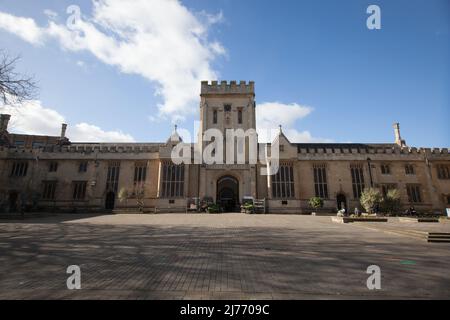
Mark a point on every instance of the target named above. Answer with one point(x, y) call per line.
point(14, 87)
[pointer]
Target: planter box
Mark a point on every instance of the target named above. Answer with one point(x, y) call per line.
point(415, 220)
point(359, 219)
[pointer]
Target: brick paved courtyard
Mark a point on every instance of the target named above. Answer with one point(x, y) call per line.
point(226, 256)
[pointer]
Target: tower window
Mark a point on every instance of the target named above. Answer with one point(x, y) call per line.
point(240, 116)
point(215, 116)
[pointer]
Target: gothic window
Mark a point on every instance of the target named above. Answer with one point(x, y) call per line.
point(385, 187)
point(320, 181)
point(49, 188)
point(409, 169)
point(443, 171)
point(413, 191)
point(172, 184)
point(357, 180)
point(283, 182)
point(19, 169)
point(112, 177)
point(53, 167)
point(82, 167)
point(385, 169)
point(79, 190)
point(140, 174)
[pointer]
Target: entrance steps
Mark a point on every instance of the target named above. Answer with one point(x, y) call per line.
point(412, 220)
point(442, 237)
point(439, 237)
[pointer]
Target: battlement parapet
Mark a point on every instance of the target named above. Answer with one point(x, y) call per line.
point(379, 150)
point(89, 148)
point(227, 88)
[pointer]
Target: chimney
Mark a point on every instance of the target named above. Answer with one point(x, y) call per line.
point(63, 131)
point(398, 138)
point(4, 119)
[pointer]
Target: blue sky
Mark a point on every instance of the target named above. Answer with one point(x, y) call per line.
point(331, 78)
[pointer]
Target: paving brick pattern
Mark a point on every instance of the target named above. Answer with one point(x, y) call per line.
point(226, 256)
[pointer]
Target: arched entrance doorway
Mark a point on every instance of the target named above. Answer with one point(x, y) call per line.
point(341, 202)
point(110, 199)
point(228, 193)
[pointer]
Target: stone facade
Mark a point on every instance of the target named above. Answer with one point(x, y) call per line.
point(53, 173)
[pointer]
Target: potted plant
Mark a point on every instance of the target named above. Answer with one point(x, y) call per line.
point(248, 207)
point(213, 208)
point(123, 196)
point(315, 203)
point(140, 200)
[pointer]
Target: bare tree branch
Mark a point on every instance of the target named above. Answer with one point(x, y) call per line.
point(14, 87)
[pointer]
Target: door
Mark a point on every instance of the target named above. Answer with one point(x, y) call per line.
point(13, 198)
point(228, 193)
point(341, 202)
point(110, 199)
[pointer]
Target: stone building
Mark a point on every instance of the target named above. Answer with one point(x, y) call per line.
point(54, 173)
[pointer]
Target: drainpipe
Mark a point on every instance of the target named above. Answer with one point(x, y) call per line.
point(370, 172)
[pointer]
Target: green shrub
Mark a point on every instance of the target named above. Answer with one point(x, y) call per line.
point(123, 195)
point(213, 208)
point(370, 199)
point(316, 202)
point(248, 207)
point(391, 202)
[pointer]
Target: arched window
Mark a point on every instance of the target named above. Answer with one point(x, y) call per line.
point(283, 182)
point(172, 185)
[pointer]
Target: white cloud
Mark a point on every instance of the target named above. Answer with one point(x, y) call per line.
point(32, 118)
point(212, 18)
point(270, 115)
point(89, 133)
point(24, 28)
point(50, 14)
point(160, 40)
